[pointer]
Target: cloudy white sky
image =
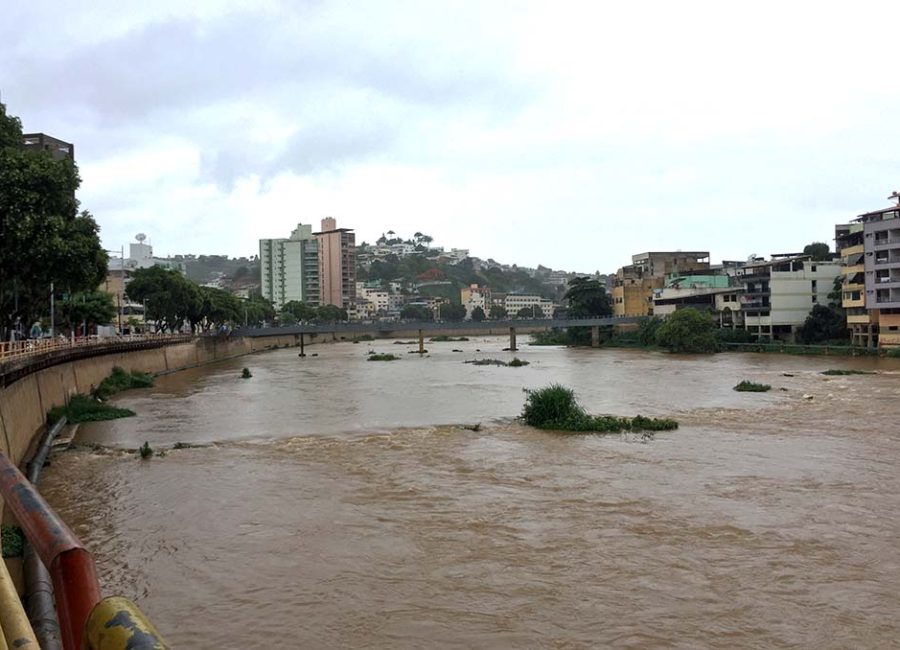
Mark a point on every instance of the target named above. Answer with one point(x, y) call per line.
point(571, 134)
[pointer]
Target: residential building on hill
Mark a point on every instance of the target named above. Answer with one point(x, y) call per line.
point(475, 296)
point(289, 268)
point(337, 264)
point(58, 149)
point(515, 302)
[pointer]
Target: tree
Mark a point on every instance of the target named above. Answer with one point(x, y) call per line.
point(823, 324)
point(331, 313)
point(296, 311)
point(90, 308)
point(820, 251)
point(496, 312)
point(587, 299)
point(451, 312)
point(478, 314)
point(687, 330)
point(220, 307)
point(530, 312)
point(44, 239)
point(170, 297)
point(416, 312)
point(648, 329)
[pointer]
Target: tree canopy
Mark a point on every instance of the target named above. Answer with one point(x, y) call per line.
point(587, 299)
point(44, 238)
point(451, 312)
point(687, 330)
point(823, 324)
point(820, 251)
point(478, 314)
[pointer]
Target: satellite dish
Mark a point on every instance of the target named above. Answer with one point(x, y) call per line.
point(140, 237)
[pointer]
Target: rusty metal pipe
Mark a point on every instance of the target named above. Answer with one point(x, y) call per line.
point(71, 566)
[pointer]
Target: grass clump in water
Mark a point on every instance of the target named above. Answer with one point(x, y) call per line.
point(556, 408)
point(83, 408)
point(120, 380)
point(835, 371)
point(146, 451)
point(443, 338)
point(752, 387)
point(383, 357)
point(246, 374)
point(517, 363)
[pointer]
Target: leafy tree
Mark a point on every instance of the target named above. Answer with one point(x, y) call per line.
point(416, 312)
point(170, 297)
point(687, 330)
point(836, 295)
point(587, 299)
point(820, 251)
point(451, 312)
point(496, 312)
point(478, 314)
point(331, 313)
point(220, 307)
point(43, 237)
point(296, 311)
point(823, 324)
point(530, 312)
point(92, 308)
point(258, 310)
point(647, 330)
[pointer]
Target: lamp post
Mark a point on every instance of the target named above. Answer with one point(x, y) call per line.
point(121, 253)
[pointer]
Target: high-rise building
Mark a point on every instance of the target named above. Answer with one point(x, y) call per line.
point(289, 268)
point(337, 264)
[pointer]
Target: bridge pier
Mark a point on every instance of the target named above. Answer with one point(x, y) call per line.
point(421, 342)
point(512, 339)
point(595, 336)
point(302, 348)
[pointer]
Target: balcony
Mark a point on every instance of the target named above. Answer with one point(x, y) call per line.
point(858, 249)
point(858, 319)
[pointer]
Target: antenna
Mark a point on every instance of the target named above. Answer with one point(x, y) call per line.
point(140, 237)
point(895, 196)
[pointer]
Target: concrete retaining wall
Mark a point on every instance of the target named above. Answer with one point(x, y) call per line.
point(24, 403)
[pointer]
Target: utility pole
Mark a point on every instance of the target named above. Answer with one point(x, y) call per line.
point(52, 318)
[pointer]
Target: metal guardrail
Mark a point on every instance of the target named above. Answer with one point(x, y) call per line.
point(75, 585)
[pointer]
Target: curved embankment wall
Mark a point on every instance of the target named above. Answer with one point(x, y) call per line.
point(24, 403)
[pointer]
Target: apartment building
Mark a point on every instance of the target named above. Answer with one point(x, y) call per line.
point(289, 268)
point(515, 302)
point(692, 290)
point(869, 248)
point(475, 296)
point(775, 297)
point(337, 264)
point(632, 293)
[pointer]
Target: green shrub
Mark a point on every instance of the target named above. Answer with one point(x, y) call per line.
point(83, 408)
point(383, 357)
point(120, 380)
point(835, 371)
point(517, 363)
point(246, 374)
point(443, 338)
point(556, 408)
point(550, 337)
point(893, 353)
point(687, 330)
point(146, 451)
point(734, 335)
point(13, 541)
point(486, 362)
point(751, 387)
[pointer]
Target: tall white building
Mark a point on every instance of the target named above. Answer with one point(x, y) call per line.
point(289, 268)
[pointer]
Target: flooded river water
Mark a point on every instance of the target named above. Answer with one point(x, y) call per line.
point(339, 503)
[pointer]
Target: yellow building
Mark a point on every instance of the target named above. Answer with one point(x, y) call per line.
point(632, 293)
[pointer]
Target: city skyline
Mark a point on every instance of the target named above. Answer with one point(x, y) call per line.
point(495, 128)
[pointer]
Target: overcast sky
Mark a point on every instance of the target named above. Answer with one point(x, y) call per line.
point(571, 134)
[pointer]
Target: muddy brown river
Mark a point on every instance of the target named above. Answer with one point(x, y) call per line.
point(340, 503)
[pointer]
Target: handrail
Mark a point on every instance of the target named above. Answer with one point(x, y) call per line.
point(31, 347)
point(71, 566)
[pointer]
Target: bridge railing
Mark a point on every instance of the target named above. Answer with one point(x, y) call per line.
point(11, 350)
point(85, 618)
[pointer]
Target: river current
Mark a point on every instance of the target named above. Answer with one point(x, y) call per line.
point(340, 503)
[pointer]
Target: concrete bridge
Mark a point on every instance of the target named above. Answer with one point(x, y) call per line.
point(399, 329)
